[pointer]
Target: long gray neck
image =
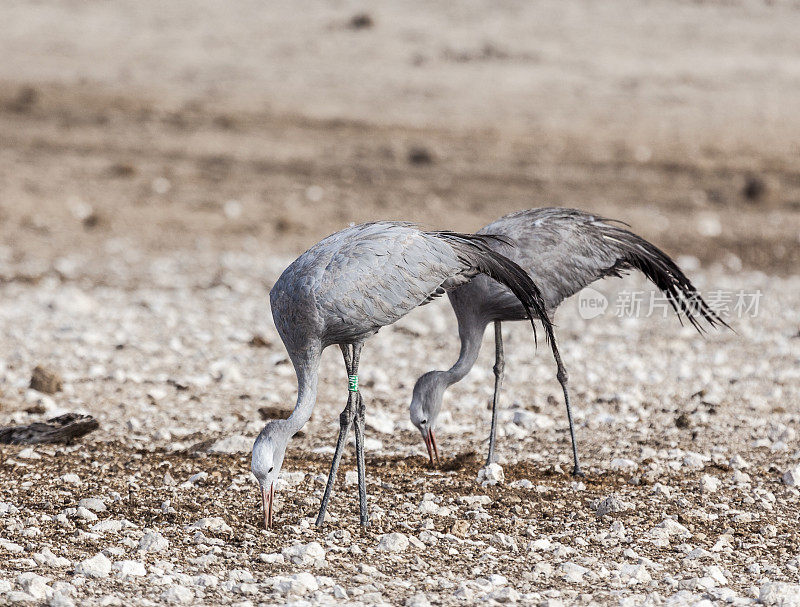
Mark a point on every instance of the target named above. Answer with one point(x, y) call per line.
point(470, 330)
point(306, 365)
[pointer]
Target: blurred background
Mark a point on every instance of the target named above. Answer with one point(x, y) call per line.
point(157, 126)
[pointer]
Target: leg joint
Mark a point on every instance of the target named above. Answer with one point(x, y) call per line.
point(562, 375)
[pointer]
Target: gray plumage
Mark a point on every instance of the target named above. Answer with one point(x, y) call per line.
point(342, 291)
point(563, 250)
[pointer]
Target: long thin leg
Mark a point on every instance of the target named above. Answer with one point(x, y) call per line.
point(362, 480)
point(499, 366)
point(345, 421)
point(563, 377)
point(360, 414)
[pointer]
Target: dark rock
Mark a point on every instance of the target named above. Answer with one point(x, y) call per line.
point(754, 188)
point(420, 155)
point(46, 381)
point(361, 21)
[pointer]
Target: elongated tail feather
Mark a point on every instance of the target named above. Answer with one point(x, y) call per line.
point(475, 251)
point(637, 253)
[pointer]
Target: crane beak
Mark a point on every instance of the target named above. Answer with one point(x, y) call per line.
point(267, 498)
point(430, 444)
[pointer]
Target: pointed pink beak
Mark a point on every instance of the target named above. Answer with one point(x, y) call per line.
point(430, 444)
point(267, 498)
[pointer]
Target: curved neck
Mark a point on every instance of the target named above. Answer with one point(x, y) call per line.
point(470, 331)
point(306, 366)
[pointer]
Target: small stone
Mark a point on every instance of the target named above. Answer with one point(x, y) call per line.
point(153, 541)
point(573, 572)
point(10, 546)
point(299, 583)
point(130, 568)
point(64, 588)
point(709, 484)
point(460, 528)
point(107, 526)
point(738, 462)
point(35, 585)
point(740, 477)
point(792, 476)
point(291, 479)
point(694, 461)
point(213, 524)
point(428, 507)
point(418, 544)
point(70, 479)
point(418, 600)
point(46, 557)
point(28, 453)
point(195, 479)
point(715, 573)
point(779, 594)
point(205, 580)
point(240, 575)
point(45, 380)
point(93, 504)
point(380, 423)
point(491, 475)
point(60, 600)
point(542, 545)
point(623, 465)
point(305, 554)
point(662, 490)
point(673, 527)
point(475, 500)
point(351, 478)
point(85, 514)
point(611, 504)
point(464, 592)
point(96, 567)
point(507, 594)
point(177, 595)
point(6, 509)
point(632, 574)
point(504, 541)
point(393, 542)
point(232, 444)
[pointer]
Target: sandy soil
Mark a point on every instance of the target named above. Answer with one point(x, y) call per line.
point(160, 165)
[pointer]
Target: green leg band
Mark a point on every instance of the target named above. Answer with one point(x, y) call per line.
point(352, 383)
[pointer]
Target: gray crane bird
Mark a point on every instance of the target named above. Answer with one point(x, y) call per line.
point(563, 250)
point(342, 291)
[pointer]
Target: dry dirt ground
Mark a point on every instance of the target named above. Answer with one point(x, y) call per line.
point(161, 165)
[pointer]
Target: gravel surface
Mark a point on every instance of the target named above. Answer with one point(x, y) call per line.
point(148, 201)
point(689, 444)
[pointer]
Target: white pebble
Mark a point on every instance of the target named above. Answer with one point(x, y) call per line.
point(153, 541)
point(132, 568)
point(96, 567)
point(305, 554)
point(393, 542)
point(491, 475)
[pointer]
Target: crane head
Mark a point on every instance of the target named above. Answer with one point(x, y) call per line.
point(426, 403)
point(268, 452)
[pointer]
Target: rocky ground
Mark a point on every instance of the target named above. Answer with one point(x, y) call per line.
point(689, 445)
point(160, 166)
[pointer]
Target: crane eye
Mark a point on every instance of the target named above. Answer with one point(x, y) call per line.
point(271, 468)
point(423, 422)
